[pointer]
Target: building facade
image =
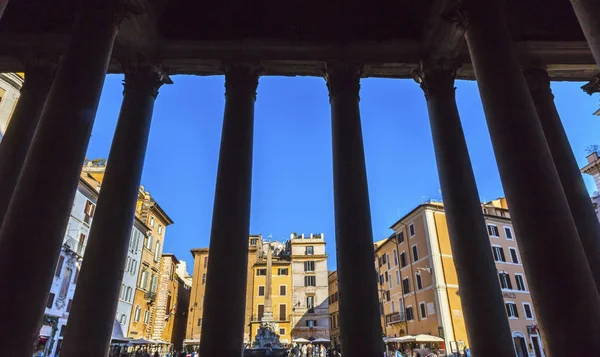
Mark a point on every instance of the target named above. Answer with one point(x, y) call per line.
point(130, 275)
point(67, 270)
point(418, 284)
point(310, 286)
point(300, 296)
point(10, 89)
point(145, 296)
point(334, 310)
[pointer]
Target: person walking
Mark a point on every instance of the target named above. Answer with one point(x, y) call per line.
point(304, 350)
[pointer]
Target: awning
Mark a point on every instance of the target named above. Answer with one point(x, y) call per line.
point(300, 340)
point(417, 338)
point(191, 342)
point(428, 338)
point(321, 340)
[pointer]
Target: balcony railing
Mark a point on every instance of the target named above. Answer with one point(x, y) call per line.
point(75, 246)
point(150, 296)
point(394, 318)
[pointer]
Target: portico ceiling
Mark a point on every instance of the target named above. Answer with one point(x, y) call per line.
point(298, 37)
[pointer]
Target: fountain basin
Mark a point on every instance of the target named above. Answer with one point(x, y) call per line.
point(262, 352)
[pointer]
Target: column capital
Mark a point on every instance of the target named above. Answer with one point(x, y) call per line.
point(343, 78)
point(144, 76)
point(436, 77)
point(538, 80)
point(593, 86)
point(241, 78)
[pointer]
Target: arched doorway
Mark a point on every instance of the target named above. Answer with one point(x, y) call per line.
point(402, 333)
point(520, 345)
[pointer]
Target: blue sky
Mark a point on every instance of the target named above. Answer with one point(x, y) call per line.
point(292, 184)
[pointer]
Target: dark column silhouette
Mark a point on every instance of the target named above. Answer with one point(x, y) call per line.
point(39, 73)
point(225, 304)
point(99, 283)
point(360, 324)
point(587, 12)
point(35, 223)
point(539, 210)
point(480, 294)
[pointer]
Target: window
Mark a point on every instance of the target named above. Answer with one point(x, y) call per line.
point(528, 311)
point(253, 241)
point(310, 303)
point(159, 229)
point(261, 272)
point(405, 286)
point(204, 279)
point(381, 280)
point(261, 291)
point(511, 310)
point(88, 212)
point(403, 259)
point(390, 282)
point(384, 259)
point(282, 271)
point(498, 254)
point(400, 237)
point(387, 257)
point(205, 262)
point(397, 277)
point(385, 274)
point(59, 265)
point(281, 331)
point(69, 304)
point(310, 250)
point(76, 277)
point(311, 323)
point(309, 266)
point(411, 229)
point(146, 316)
point(419, 281)
point(144, 278)
point(415, 253)
point(50, 301)
point(282, 312)
point(154, 283)
point(514, 257)
point(508, 233)
point(157, 251)
point(395, 253)
point(422, 310)
point(310, 281)
point(505, 280)
point(123, 319)
point(401, 306)
point(199, 321)
point(379, 262)
point(149, 242)
point(123, 291)
point(282, 290)
point(151, 222)
point(393, 307)
point(493, 230)
point(520, 282)
point(129, 293)
point(409, 314)
point(136, 315)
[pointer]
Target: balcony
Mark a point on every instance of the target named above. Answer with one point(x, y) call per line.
point(150, 297)
point(74, 245)
point(394, 317)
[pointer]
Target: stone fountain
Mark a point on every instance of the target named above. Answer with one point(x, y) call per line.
point(266, 336)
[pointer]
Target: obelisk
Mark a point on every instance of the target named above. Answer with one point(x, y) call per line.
point(267, 319)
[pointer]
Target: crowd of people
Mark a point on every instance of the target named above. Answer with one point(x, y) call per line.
point(310, 350)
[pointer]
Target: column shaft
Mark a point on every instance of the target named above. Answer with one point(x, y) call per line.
point(101, 274)
point(24, 121)
point(225, 304)
point(35, 223)
point(480, 294)
point(576, 193)
point(360, 324)
point(587, 13)
point(539, 210)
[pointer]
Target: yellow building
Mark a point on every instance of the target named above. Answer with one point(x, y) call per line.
point(195, 309)
point(334, 309)
point(281, 291)
point(144, 301)
point(418, 283)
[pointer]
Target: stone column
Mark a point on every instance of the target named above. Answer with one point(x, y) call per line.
point(587, 13)
point(35, 223)
point(15, 144)
point(577, 195)
point(539, 210)
point(480, 294)
point(360, 325)
point(225, 304)
point(101, 274)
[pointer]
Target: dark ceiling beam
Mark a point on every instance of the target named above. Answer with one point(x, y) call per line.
point(443, 35)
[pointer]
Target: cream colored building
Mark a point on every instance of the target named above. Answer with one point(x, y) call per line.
point(10, 90)
point(423, 297)
point(334, 309)
point(310, 286)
